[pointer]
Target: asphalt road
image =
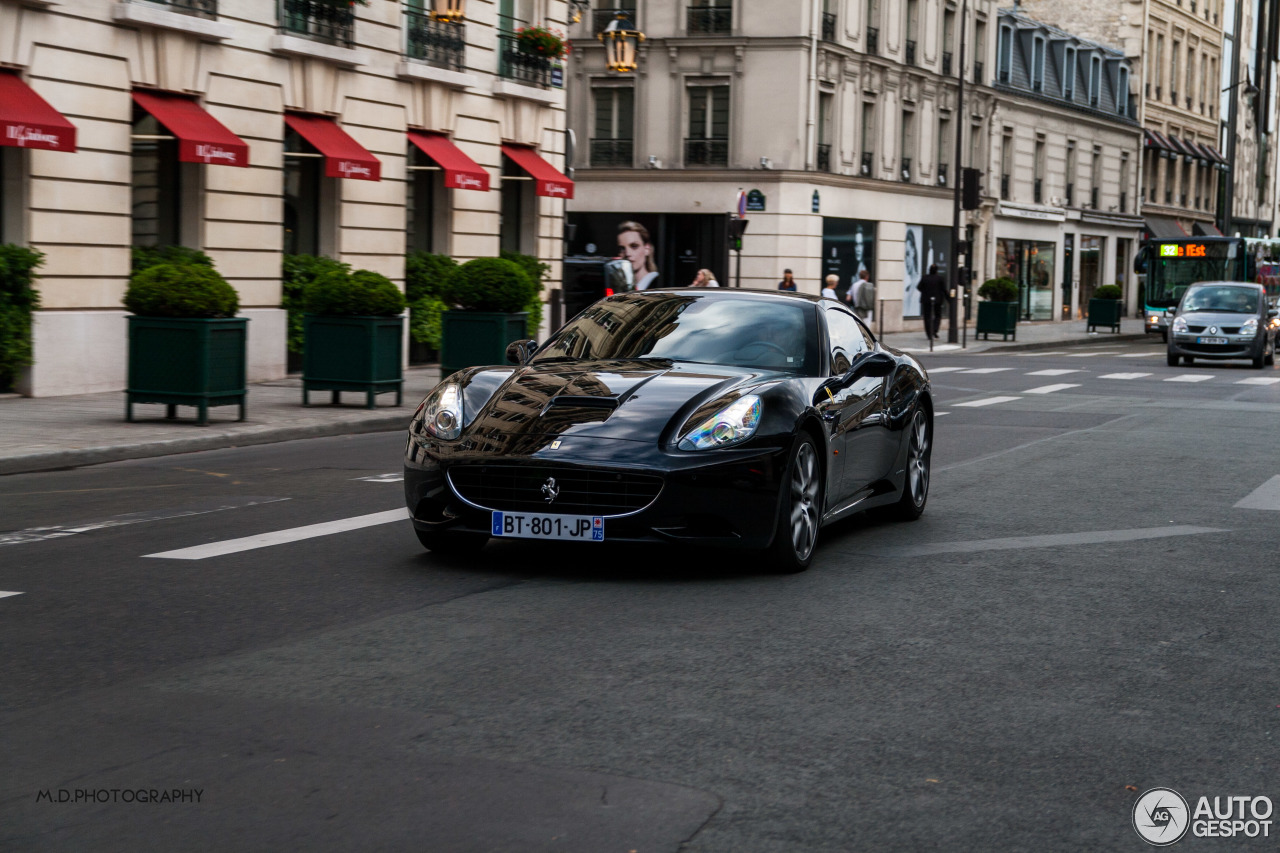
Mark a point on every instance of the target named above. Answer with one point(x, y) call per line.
point(1087, 609)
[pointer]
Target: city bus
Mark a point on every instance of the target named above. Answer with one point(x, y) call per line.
point(1172, 265)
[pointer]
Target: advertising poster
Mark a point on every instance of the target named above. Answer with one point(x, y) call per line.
point(924, 246)
point(848, 246)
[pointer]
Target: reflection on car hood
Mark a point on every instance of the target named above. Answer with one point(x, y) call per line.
point(1216, 318)
point(633, 400)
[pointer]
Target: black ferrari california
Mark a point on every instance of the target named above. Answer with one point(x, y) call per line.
point(735, 418)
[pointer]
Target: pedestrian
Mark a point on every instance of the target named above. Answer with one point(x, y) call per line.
point(862, 296)
point(933, 290)
point(705, 278)
point(829, 292)
point(788, 282)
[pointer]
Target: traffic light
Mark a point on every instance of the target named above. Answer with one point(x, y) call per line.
point(971, 189)
point(737, 227)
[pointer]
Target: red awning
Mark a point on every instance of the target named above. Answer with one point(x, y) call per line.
point(460, 171)
point(27, 120)
point(550, 181)
point(201, 137)
point(343, 156)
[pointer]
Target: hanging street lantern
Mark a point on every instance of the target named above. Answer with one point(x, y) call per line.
point(620, 43)
point(449, 10)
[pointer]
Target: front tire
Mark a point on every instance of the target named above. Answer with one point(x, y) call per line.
point(915, 487)
point(448, 544)
point(1171, 359)
point(1270, 358)
point(800, 510)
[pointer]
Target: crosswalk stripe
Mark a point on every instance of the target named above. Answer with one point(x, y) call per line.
point(1124, 375)
point(1090, 354)
point(7, 594)
point(1055, 372)
point(943, 369)
point(1049, 389)
point(1139, 354)
point(1259, 380)
point(1190, 377)
point(988, 369)
point(280, 537)
point(1266, 496)
point(1038, 354)
point(987, 401)
point(384, 478)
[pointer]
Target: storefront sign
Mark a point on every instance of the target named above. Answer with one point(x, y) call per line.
point(1031, 213)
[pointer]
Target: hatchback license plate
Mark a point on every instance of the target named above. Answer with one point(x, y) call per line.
point(1211, 340)
point(530, 525)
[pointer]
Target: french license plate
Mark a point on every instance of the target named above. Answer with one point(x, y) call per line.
point(1211, 340)
point(530, 525)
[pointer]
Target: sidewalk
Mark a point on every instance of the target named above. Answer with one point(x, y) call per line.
point(40, 434)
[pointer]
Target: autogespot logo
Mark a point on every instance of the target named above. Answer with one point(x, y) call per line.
point(1160, 816)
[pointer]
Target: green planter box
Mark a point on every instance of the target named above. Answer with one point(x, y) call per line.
point(1000, 318)
point(184, 362)
point(1103, 312)
point(475, 338)
point(352, 354)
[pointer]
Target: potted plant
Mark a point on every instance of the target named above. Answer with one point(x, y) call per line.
point(998, 312)
point(424, 277)
point(297, 272)
point(18, 298)
point(545, 42)
point(186, 346)
point(352, 336)
point(1104, 308)
point(489, 298)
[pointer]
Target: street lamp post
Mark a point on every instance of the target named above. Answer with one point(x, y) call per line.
point(953, 269)
point(1250, 92)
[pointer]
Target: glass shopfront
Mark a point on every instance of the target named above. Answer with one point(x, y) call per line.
point(1090, 270)
point(1030, 263)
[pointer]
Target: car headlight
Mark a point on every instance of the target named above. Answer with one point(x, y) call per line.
point(1249, 327)
point(442, 414)
point(734, 423)
point(1153, 319)
point(1180, 324)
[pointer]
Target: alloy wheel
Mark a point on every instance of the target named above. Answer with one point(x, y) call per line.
point(804, 501)
point(918, 460)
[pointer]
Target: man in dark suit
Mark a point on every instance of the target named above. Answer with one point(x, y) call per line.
point(933, 293)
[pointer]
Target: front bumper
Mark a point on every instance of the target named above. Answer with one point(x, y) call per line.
point(1237, 346)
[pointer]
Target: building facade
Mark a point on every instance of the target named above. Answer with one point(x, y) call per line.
point(1249, 115)
point(254, 128)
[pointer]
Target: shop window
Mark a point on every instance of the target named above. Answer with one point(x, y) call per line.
point(426, 205)
point(1031, 264)
point(516, 231)
point(308, 199)
point(11, 195)
point(164, 190)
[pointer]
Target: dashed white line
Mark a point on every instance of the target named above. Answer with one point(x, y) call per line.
point(1049, 389)
point(1139, 354)
point(1259, 380)
point(1190, 377)
point(987, 401)
point(1123, 375)
point(7, 594)
point(1038, 354)
point(384, 478)
point(940, 414)
point(1055, 372)
point(988, 369)
point(280, 537)
point(943, 369)
point(1091, 354)
point(41, 534)
point(1266, 496)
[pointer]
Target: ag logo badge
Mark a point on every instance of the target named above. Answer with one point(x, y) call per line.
point(1161, 817)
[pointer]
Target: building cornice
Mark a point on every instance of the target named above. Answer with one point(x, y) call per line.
point(758, 177)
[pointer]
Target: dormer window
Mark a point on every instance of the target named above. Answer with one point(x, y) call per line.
point(1069, 74)
point(1004, 59)
point(1095, 80)
point(1037, 64)
point(1122, 92)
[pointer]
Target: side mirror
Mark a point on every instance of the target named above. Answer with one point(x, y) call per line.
point(519, 352)
point(872, 364)
point(1171, 311)
point(1273, 313)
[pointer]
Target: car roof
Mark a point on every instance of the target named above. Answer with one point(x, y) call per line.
point(728, 293)
point(1252, 284)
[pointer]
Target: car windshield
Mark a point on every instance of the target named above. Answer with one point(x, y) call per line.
point(762, 332)
point(1224, 298)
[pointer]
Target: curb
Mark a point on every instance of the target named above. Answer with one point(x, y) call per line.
point(82, 456)
point(1002, 346)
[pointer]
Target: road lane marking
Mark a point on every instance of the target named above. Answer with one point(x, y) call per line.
point(41, 534)
point(383, 478)
point(1053, 540)
point(1049, 389)
point(1260, 380)
point(1124, 375)
point(1092, 354)
point(1038, 354)
point(1139, 354)
point(1190, 377)
point(940, 414)
point(1266, 496)
point(1057, 371)
point(7, 594)
point(987, 401)
point(988, 369)
point(280, 537)
point(943, 369)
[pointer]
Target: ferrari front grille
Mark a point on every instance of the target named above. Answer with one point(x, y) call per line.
point(578, 491)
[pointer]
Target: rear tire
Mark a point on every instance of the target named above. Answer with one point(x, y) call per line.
point(449, 544)
point(1270, 359)
point(915, 487)
point(800, 511)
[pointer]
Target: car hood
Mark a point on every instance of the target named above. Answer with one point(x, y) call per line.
point(630, 400)
point(1216, 318)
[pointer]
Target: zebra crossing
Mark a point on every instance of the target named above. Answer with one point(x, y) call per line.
point(1122, 376)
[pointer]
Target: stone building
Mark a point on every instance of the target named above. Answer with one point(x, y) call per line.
point(252, 128)
point(1248, 106)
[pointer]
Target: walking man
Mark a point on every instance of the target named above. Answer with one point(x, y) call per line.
point(933, 291)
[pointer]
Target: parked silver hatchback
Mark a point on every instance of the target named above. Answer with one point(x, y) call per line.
point(1223, 319)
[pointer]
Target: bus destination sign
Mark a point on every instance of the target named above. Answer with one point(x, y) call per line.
point(1182, 250)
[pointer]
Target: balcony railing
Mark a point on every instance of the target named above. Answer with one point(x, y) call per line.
point(905, 172)
point(1071, 194)
point(319, 21)
point(523, 67)
point(1004, 187)
point(911, 52)
point(873, 40)
point(439, 43)
point(868, 159)
point(824, 157)
point(1124, 202)
point(1093, 198)
point(198, 8)
point(709, 20)
point(601, 18)
point(1037, 190)
point(942, 174)
point(612, 152)
point(706, 152)
point(828, 26)
point(946, 63)
point(979, 72)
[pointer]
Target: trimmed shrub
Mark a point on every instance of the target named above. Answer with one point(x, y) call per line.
point(491, 284)
point(18, 298)
point(538, 272)
point(999, 290)
point(296, 274)
point(424, 321)
point(181, 290)
point(363, 293)
point(426, 274)
point(1108, 291)
point(150, 256)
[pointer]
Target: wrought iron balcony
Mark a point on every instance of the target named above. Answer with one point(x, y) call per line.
point(527, 68)
point(824, 157)
point(828, 26)
point(706, 152)
point(906, 169)
point(873, 40)
point(710, 20)
point(198, 8)
point(601, 18)
point(868, 160)
point(911, 52)
point(612, 152)
point(439, 43)
point(946, 63)
point(320, 21)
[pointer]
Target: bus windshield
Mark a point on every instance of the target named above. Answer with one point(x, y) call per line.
point(1174, 265)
